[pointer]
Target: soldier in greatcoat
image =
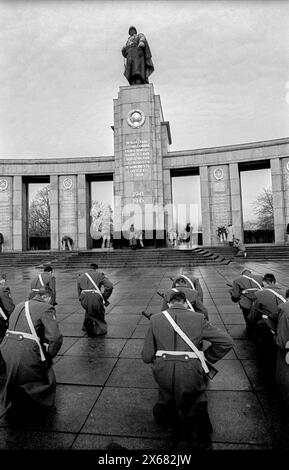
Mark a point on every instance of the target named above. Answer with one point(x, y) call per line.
point(192, 296)
point(281, 339)
point(94, 289)
point(42, 280)
point(31, 341)
point(6, 306)
point(264, 317)
point(179, 373)
point(243, 292)
point(191, 283)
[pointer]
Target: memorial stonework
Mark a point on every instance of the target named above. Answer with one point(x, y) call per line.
point(138, 173)
point(141, 169)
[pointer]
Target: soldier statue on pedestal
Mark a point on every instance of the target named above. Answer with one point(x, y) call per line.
point(138, 64)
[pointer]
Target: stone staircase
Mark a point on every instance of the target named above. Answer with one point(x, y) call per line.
point(122, 258)
point(266, 252)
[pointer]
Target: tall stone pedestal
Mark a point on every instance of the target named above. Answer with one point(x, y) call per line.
point(138, 180)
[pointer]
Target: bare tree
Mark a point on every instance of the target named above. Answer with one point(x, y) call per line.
point(39, 214)
point(263, 208)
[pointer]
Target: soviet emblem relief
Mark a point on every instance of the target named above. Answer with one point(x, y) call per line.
point(3, 185)
point(135, 118)
point(67, 183)
point(219, 173)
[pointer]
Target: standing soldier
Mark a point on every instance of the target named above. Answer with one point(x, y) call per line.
point(180, 369)
point(6, 306)
point(243, 291)
point(42, 280)
point(31, 342)
point(192, 297)
point(191, 283)
point(94, 289)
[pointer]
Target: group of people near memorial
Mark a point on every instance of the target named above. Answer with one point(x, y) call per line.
point(184, 237)
point(176, 343)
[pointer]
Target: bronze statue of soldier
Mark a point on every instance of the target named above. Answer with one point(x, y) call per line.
point(138, 64)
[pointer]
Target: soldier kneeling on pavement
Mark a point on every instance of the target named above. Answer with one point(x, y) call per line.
point(31, 341)
point(94, 289)
point(172, 347)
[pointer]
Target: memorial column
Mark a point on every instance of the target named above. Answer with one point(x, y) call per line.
point(18, 215)
point(205, 205)
point(82, 209)
point(236, 201)
point(278, 200)
point(54, 213)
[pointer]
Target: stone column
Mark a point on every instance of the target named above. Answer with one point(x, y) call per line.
point(205, 205)
point(236, 201)
point(285, 173)
point(54, 213)
point(138, 160)
point(6, 212)
point(219, 199)
point(68, 224)
point(278, 200)
point(17, 213)
point(82, 211)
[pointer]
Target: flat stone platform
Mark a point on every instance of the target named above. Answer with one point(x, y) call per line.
point(105, 392)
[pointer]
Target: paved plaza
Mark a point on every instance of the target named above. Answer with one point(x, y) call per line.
point(105, 392)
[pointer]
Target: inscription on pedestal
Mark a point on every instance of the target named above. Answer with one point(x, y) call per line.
point(137, 158)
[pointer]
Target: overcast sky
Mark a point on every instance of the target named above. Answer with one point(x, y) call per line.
point(221, 70)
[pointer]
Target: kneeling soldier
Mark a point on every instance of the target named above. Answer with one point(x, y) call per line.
point(89, 287)
point(191, 283)
point(193, 300)
point(180, 369)
point(32, 340)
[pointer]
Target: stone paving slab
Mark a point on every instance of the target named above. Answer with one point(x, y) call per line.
point(37, 440)
point(72, 406)
point(98, 347)
point(96, 442)
point(237, 417)
point(131, 373)
point(116, 411)
point(231, 376)
point(83, 370)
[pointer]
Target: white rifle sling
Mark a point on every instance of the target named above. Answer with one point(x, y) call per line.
point(41, 280)
point(279, 296)
point(95, 286)
point(3, 314)
point(253, 280)
point(188, 302)
point(32, 329)
point(189, 281)
point(187, 340)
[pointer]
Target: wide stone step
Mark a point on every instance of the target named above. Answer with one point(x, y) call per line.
point(113, 258)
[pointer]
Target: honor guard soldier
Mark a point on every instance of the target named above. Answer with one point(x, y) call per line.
point(282, 341)
point(94, 289)
point(31, 341)
point(42, 280)
point(191, 283)
point(192, 297)
point(6, 306)
point(243, 292)
point(180, 369)
point(263, 317)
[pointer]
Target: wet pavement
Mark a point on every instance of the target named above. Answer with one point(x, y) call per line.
point(105, 392)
